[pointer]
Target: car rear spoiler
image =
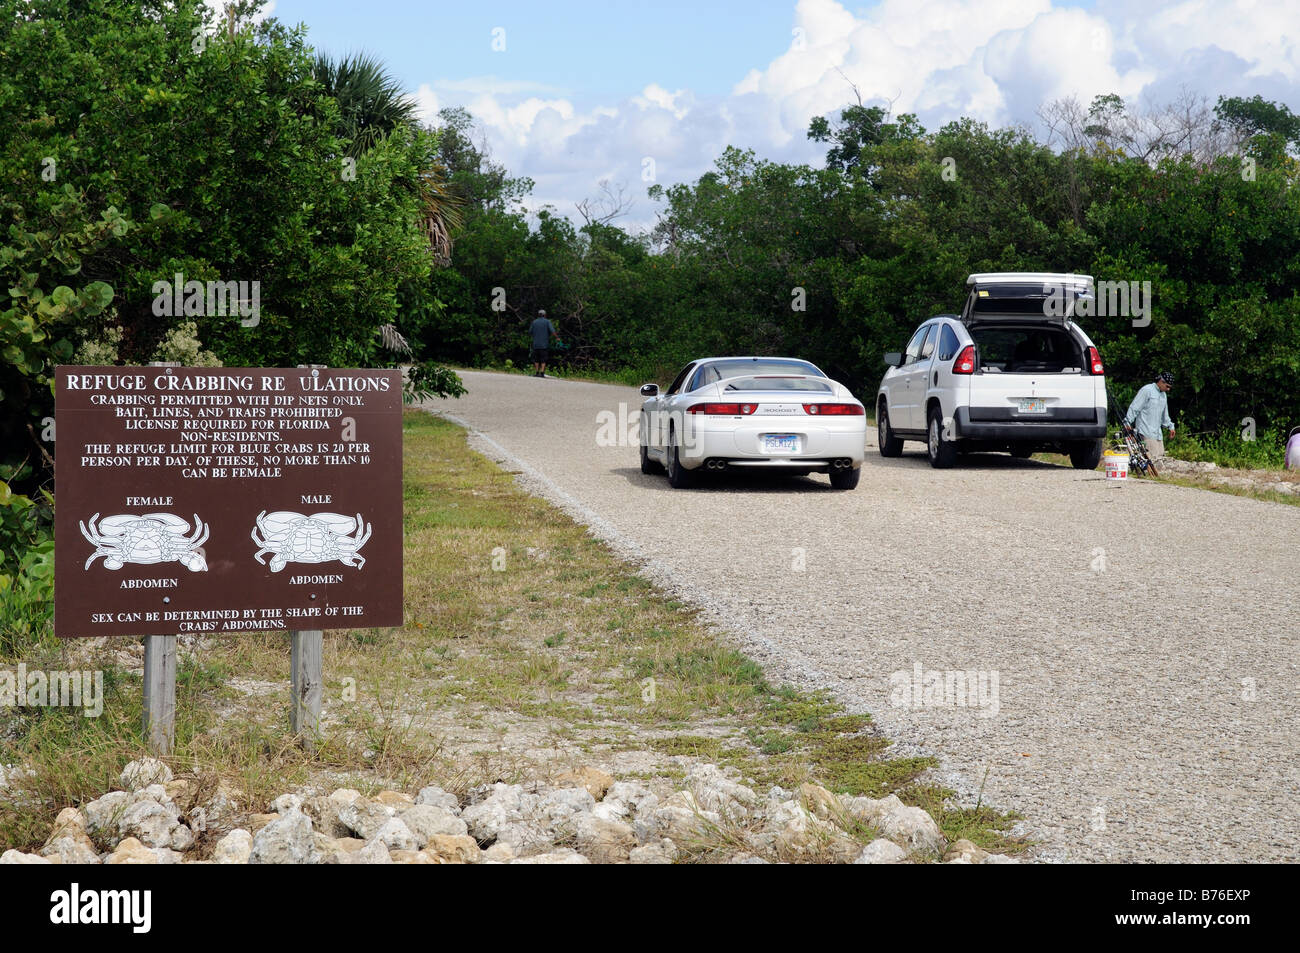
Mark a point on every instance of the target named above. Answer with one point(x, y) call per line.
point(1022, 296)
point(725, 381)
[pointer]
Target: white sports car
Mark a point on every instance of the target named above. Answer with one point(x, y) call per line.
point(775, 413)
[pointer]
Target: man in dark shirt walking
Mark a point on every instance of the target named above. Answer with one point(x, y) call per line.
point(543, 331)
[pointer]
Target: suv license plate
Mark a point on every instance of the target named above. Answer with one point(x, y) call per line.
point(1033, 405)
point(780, 443)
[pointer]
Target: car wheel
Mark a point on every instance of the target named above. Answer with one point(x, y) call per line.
point(648, 465)
point(845, 479)
point(942, 453)
point(890, 445)
point(1022, 452)
point(1085, 455)
point(678, 476)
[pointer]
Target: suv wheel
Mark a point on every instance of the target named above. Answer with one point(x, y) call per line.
point(943, 453)
point(890, 445)
point(1085, 455)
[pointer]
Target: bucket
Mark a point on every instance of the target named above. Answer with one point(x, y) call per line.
point(1116, 466)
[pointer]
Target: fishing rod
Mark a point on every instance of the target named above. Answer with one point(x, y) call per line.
point(1129, 440)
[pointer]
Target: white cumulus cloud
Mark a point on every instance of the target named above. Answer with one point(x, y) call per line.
point(994, 60)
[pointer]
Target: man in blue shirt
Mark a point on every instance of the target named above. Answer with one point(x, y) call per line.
point(1149, 413)
point(542, 331)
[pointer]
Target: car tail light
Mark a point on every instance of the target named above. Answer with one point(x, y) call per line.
point(965, 363)
point(1094, 361)
point(834, 410)
point(729, 410)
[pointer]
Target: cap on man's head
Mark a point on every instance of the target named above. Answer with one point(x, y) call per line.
point(1166, 377)
point(541, 313)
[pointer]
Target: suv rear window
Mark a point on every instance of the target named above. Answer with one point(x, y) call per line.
point(1027, 350)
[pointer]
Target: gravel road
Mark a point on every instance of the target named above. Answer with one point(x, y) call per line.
point(1143, 638)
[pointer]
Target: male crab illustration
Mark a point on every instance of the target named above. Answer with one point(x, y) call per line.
point(319, 538)
point(151, 538)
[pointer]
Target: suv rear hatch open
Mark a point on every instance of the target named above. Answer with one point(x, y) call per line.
point(1031, 364)
point(1033, 296)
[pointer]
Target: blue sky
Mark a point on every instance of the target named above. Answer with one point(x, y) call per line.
point(588, 92)
point(589, 51)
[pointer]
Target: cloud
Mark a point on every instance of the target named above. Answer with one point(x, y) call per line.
point(654, 95)
point(217, 9)
point(1061, 53)
point(993, 60)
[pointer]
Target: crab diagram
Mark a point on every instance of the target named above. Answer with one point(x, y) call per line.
point(151, 538)
point(319, 538)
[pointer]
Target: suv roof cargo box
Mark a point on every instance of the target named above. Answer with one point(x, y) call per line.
point(1024, 295)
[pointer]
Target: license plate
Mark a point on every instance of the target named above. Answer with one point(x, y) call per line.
point(1033, 405)
point(780, 443)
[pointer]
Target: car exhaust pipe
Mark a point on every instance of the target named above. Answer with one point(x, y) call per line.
point(715, 464)
point(842, 464)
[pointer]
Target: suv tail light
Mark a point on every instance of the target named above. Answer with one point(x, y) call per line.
point(834, 410)
point(726, 410)
point(965, 363)
point(1094, 361)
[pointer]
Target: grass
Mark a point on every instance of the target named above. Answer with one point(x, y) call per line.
point(528, 647)
point(1254, 492)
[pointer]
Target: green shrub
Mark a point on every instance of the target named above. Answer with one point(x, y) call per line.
point(1227, 449)
point(27, 600)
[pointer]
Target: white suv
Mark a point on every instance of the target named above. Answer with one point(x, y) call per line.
point(1011, 372)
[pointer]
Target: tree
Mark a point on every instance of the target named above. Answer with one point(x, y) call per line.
point(1259, 127)
point(140, 142)
point(1111, 127)
point(482, 184)
point(860, 127)
point(371, 103)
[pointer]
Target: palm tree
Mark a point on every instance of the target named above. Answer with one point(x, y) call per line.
point(371, 103)
point(443, 209)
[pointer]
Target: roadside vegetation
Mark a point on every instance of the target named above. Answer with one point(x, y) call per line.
point(1267, 451)
point(528, 649)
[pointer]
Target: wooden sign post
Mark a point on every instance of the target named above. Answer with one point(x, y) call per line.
point(159, 677)
point(306, 670)
point(307, 664)
point(160, 692)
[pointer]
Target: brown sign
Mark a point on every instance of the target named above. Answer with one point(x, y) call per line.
point(194, 499)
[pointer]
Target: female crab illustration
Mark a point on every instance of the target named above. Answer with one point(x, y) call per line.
point(151, 538)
